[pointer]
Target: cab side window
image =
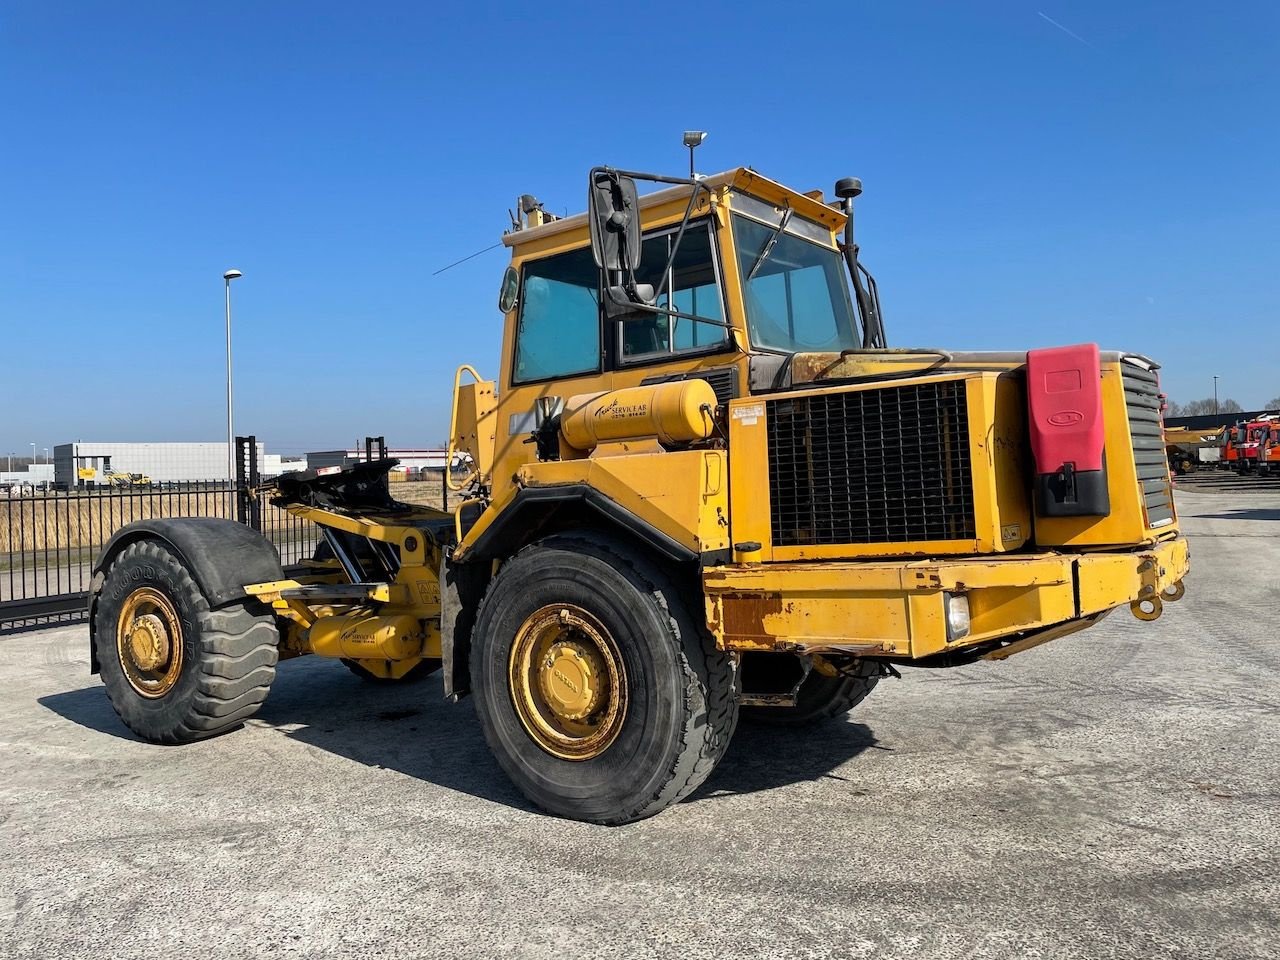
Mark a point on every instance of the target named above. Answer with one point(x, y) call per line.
point(692, 288)
point(559, 327)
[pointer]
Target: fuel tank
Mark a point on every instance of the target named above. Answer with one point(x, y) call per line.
point(669, 412)
point(366, 636)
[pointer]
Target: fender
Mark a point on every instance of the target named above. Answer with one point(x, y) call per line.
point(534, 512)
point(222, 555)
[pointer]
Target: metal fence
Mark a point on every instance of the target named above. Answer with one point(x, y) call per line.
point(49, 541)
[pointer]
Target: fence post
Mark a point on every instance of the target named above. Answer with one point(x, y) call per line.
point(248, 511)
point(255, 480)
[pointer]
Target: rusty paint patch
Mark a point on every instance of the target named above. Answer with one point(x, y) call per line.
point(742, 615)
point(807, 367)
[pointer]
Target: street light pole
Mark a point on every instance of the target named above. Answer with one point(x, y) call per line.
point(1215, 395)
point(231, 430)
point(33, 453)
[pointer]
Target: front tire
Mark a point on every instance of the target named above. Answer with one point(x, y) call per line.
point(176, 670)
point(600, 694)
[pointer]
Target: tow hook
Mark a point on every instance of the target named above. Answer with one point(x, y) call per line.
point(1147, 608)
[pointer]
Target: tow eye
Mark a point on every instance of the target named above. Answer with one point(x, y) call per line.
point(1147, 608)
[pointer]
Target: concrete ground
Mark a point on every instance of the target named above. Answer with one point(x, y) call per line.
point(1113, 794)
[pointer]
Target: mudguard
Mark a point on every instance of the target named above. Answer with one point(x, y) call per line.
point(222, 555)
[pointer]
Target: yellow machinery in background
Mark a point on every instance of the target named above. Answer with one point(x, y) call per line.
point(700, 485)
point(1185, 447)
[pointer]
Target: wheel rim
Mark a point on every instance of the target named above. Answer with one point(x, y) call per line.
point(149, 642)
point(568, 684)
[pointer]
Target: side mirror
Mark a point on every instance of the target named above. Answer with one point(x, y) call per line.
point(510, 291)
point(614, 216)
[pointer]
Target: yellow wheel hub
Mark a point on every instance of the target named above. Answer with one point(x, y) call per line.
point(149, 642)
point(567, 682)
point(572, 679)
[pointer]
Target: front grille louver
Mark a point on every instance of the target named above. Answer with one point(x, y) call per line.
point(1142, 403)
point(888, 465)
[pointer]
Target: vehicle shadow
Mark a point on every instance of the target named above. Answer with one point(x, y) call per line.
point(762, 757)
point(1245, 513)
point(89, 707)
point(411, 729)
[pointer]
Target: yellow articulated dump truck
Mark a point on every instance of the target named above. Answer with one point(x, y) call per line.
point(699, 486)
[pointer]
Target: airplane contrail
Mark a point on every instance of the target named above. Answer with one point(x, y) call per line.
point(1069, 33)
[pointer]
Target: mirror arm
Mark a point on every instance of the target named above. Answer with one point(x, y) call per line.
point(667, 312)
point(675, 246)
point(652, 177)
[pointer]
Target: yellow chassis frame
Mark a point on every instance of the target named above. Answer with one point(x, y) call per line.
point(415, 590)
point(878, 608)
point(896, 608)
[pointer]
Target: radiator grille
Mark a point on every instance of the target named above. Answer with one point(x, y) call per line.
point(871, 466)
point(1142, 401)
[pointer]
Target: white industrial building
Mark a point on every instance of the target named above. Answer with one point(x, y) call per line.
point(33, 476)
point(83, 462)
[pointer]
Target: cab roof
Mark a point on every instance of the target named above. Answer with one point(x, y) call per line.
point(743, 179)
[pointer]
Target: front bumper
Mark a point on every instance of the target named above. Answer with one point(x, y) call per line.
point(898, 609)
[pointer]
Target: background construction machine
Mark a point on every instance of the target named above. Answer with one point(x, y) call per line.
point(1190, 449)
point(700, 485)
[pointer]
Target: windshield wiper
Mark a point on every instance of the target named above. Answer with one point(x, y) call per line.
point(768, 247)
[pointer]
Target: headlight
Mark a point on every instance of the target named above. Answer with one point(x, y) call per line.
point(957, 616)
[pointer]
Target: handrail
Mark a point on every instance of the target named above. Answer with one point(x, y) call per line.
point(457, 514)
point(449, 482)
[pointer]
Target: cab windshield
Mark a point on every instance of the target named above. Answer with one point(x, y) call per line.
point(795, 291)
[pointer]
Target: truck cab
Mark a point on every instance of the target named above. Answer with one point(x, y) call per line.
point(824, 457)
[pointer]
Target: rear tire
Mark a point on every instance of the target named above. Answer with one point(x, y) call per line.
point(821, 698)
point(656, 701)
point(175, 670)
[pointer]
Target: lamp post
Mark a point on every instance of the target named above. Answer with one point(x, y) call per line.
point(33, 453)
point(231, 431)
point(1215, 395)
point(46, 456)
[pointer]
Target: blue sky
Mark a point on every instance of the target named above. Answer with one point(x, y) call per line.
point(1035, 173)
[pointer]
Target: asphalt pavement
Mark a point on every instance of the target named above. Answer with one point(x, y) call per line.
point(1111, 794)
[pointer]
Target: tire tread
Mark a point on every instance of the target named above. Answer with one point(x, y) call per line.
point(235, 664)
point(704, 739)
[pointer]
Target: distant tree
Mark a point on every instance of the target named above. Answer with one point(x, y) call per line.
point(1200, 408)
point(1274, 404)
point(1172, 408)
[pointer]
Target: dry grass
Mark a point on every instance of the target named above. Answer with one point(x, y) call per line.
point(67, 522)
point(423, 492)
